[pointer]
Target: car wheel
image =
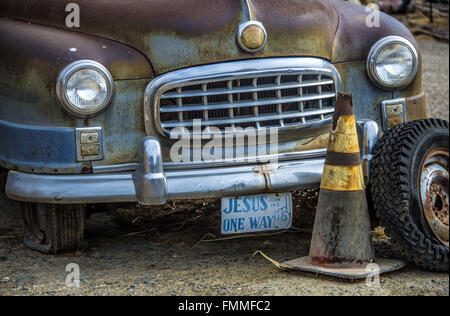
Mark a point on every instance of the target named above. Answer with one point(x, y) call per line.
point(54, 229)
point(409, 187)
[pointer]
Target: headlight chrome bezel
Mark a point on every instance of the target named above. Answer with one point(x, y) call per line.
point(61, 88)
point(377, 48)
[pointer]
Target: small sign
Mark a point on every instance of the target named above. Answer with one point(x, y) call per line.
point(256, 213)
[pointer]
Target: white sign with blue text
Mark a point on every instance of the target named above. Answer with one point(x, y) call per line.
point(256, 213)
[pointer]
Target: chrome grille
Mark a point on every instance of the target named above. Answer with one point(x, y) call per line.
point(299, 95)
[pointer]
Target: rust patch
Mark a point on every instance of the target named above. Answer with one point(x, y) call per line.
point(318, 142)
point(194, 32)
point(394, 120)
point(354, 38)
point(434, 185)
point(416, 107)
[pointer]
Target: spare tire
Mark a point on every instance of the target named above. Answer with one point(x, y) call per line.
point(409, 179)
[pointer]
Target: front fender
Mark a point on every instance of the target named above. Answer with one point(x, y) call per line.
point(32, 56)
point(35, 134)
point(354, 37)
point(351, 46)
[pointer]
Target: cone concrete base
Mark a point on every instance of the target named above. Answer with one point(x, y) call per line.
point(355, 272)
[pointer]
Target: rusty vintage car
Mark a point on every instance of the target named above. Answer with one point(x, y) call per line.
point(88, 104)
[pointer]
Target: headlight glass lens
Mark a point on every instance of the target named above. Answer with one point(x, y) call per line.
point(394, 64)
point(84, 88)
point(87, 90)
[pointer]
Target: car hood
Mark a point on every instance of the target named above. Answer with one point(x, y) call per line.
point(181, 33)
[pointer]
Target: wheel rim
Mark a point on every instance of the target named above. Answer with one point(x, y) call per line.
point(36, 214)
point(434, 193)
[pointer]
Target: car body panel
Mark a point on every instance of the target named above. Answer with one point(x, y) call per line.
point(34, 55)
point(354, 38)
point(38, 149)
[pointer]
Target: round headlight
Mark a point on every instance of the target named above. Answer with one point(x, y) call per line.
point(392, 63)
point(85, 88)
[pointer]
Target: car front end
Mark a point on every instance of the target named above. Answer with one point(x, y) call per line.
point(173, 67)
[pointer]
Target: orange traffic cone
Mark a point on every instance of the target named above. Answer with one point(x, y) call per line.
point(341, 243)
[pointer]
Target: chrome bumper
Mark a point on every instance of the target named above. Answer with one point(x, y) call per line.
point(151, 185)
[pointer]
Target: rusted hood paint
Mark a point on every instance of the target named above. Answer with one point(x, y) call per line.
point(355, 37)
point(182, 33)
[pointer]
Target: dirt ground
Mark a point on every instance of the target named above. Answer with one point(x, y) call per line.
point(132, 253)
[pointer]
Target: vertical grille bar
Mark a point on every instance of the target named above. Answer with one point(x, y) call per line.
point(319, 91)
point(230, 100)
point(180, 104)
point(255, 98)
point(279, 107)
point(205, 103)
point(300, 93)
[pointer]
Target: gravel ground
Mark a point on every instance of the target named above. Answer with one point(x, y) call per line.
point(435, 76)
point(132, 253)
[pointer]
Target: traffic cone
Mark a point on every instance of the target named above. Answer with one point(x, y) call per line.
point(341, 243)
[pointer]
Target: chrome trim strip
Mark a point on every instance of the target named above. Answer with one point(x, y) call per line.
point(115, 168)
point(224, 106)
point(249, 9)
point(249, 119)
point(245, 90)
point(171, 166)
point(318, 153)
point(229, 71)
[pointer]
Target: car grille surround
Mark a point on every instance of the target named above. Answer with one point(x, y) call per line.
point(283, 93)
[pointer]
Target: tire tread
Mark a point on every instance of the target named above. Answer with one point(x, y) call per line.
point(390, 193)
point(65, 225)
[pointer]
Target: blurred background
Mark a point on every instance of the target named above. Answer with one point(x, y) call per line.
point(423, 17)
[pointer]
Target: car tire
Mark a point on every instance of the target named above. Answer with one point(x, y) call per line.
point(410, 159)
point(54, 229)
